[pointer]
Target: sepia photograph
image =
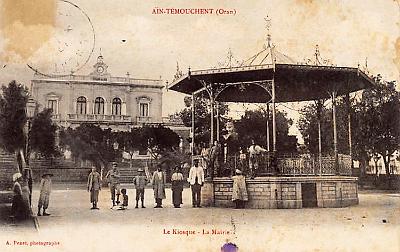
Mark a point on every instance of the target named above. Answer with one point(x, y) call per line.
point(200, 125)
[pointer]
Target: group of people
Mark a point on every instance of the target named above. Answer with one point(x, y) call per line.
point(21, 205)
point(22, 199)
point(158, 180)
point(212, 158)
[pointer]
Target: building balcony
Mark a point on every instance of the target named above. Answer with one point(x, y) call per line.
point(56, 117)
point(99, 118)
point(172, 121)
point(144, 119)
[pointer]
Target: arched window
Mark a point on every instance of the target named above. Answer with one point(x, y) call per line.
point(116, 106)
point(81, 105)
point(99, 106)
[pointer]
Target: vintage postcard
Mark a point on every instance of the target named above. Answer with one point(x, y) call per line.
point(199, 125)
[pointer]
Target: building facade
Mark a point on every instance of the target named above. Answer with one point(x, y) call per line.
point(112, 102)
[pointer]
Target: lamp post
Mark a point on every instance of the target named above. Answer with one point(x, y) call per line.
point(30, 113)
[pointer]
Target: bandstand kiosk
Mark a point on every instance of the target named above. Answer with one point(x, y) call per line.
point(271, 77)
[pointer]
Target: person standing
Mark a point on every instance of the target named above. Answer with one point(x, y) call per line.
point(94, 186)
point(242, 160)
point(28, 180)
point(205, 159)
point(113, 176)
point(140, 181)
point(254, 155)
point(215, 155)
point(158, 182)
point(45, 189)
point(177, 187)
point(239, 190)
point(196, 181)
point(19, 209)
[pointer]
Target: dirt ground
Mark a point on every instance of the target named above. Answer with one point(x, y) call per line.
point(373, 225)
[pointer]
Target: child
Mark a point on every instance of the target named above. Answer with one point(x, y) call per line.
point(45, 189)
point(140, 182)
point(124, 199)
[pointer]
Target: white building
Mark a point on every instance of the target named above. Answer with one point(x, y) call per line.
point(112, 102)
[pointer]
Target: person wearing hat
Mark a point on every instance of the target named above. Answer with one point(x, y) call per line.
point(113, 176)
point(94, 186)
point(140, 181)
point(45, 189)
point(19, 209)
point(177, 187)
point(158, 181)
point(239, 190)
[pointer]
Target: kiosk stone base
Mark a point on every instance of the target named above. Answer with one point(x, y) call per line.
point(285, 192)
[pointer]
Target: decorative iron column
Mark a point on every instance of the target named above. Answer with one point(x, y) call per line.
point(217, 124)
point(335, 132)
point(348, 105)
point(212, 116)
point(193, 126)
point(268, 148)
point(320, 105)
point(273, 117)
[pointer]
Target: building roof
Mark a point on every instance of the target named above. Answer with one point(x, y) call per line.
point(105, 80)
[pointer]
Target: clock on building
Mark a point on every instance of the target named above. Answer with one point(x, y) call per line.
point(70, 46)
point(100, 69)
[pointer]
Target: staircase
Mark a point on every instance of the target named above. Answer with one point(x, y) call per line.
point(127, 174)
point(8, 166)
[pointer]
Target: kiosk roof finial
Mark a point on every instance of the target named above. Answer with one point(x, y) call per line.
point(268, 25)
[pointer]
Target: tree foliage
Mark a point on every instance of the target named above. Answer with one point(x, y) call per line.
point(253, 125)
point(308, 127)
point(377, 121)
point(375, 124)
point(90, 142)
point(157, 139)
point(202, 119)
point(13, 116)
point(43, 134)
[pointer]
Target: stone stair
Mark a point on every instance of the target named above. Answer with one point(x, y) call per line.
point(8, 166)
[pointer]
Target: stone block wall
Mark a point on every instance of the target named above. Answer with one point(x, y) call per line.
point(337, 194)
point(284, 192)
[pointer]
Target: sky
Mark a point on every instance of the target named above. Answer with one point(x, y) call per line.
point(132, 38)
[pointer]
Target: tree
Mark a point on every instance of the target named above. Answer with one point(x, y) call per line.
point(43, 133)
point(90, 142)
point(378, 121)
point(308, 127)
point(257, 119)
point(13, 119)
point(160, 140)
point(202, 119)
point(131, 141)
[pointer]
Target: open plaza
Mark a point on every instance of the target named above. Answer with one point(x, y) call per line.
point(199, 126)
point(370, 226)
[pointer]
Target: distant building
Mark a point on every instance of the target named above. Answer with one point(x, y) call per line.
point(112, 102)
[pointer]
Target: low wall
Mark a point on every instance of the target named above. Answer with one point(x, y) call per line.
point(285, 192)
point(63, 175)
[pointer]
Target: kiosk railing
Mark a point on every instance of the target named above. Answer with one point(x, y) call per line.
point(285, 165)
